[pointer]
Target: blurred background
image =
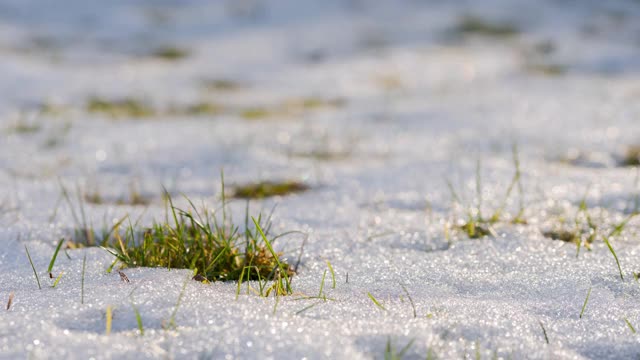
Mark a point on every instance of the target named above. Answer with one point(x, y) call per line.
point(351, 98)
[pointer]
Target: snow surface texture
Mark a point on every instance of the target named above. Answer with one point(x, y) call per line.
point(423, 101)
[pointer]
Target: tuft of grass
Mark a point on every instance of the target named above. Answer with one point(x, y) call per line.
point(291, 107)
point(94, 197)
point(376, 302)
point(24, 126)
point(546, 68)
point(562, 235)
point(476, 225)
point(585, 235)
point(475, 25)
point(584, 306)
point(631, 156)
point(584, 231)
point(322, 154)
point(170, 53)
point(390, 352)
point(265, 189)
point(202, 109)
point(221, 85)
point(33, 267)
point(135, 198)
point(84, 234)
point(204, 241)
point(118, 109)
point(257, 113)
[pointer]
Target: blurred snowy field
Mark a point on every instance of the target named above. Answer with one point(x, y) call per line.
point(375, 105)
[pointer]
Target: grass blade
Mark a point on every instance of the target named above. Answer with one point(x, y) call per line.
point(11, 301)
point(109, 317)
point(413, 306)
point(633, 330)
point(322, 283)
point(33, 267)
point(613, 252)
point(55, 255)
point(138, 317)
point(406, 348)
point(584, 306)
point(376, 302)
point(306, 308)
point(55, 283)
point(333, 275)
point(544, 331)
point(274, 254)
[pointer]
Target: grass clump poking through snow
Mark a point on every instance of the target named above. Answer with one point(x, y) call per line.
point(202, 241)
point(170, 53)
point(475, 25)
point(631, 156)
point(476, 225)
point(585, 235)
point(265, 189)
point(118, 109)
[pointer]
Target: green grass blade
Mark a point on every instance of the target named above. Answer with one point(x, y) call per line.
point(55, 283)
point(138, 317)
point(240, 282)
point(33, 267)
point(55, 255)
point(274, 254)
point(388, 350)
point(306, 308)
point(413, 306)
point(333, 275)
point(584, 306)
point(406, 348)
point(633, 330)
point(544, 331)
point(109, 317)
point(376, 302)
point(613, 252)
point(322, 284)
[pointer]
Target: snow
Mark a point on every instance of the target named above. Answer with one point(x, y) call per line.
point(422, 104)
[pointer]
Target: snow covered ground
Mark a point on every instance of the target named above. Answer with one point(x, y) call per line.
point(408, 94)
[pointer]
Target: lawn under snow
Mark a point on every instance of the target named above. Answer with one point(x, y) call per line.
point(419, 92)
